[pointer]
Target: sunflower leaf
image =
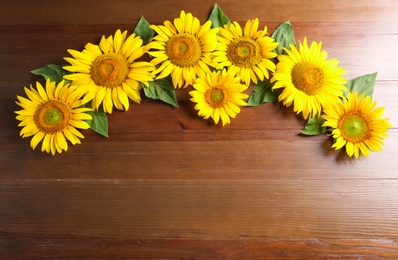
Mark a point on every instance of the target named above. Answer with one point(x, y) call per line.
point(362, 84)
point(99, 121)
point(262, 93)
point(162, 89)
point(314, 126)
point(218, 18)
point(53, 72)
point(143, 30)
point(284, 35)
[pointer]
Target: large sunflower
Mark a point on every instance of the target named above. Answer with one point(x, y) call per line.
point(108, 73)
point(183, 49)
point(246, 52)
point(51, 115)
point(357, 125)
point(308, 79)
point(219, 95)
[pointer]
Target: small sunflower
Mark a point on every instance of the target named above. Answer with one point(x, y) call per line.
point(357, 125)
point(246, 52)
point(219, 95)
point(108, 73)
point(51, 115)
point(308, 79)
point(183, 49)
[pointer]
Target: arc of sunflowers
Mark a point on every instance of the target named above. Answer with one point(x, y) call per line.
point(220, 60)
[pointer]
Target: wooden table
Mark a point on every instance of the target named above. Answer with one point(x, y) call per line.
point(168, 184)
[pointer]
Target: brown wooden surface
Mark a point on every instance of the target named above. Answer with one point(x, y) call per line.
point(167, 184)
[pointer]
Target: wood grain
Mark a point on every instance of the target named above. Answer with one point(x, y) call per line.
point(167, 184)
point(266, 248)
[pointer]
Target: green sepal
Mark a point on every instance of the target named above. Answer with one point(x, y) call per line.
point(284, 35)
point(161, 89)
point(218, 18)
point(314, 126)
point(362, 84)
point(99, 121)
point(262, 93)
point(143, 30)
point(53, 72)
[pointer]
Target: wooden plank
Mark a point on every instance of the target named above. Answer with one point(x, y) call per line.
point(234, 209)
point(25, 245)
point(157, 11)
point(182, 154)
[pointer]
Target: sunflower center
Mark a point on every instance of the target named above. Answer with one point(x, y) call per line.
point(109, 70)
point(244, 52)
point(52, 116)
point(354, 128)
point(183, 50)
point(217, 96)
point(307, 77)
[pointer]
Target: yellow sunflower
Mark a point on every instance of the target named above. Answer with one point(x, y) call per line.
point(219, 95)
point(108, 73)
point(308, 79)
point(246, 52)
point(51, 115)
point(183, 49)
point(357, 125)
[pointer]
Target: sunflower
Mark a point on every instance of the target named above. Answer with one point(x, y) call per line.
point(51, 115)
point(308, 79)
point(219, 95)
point(357, 125)
point(183, 49)
point(108, 73)
point(246, 52)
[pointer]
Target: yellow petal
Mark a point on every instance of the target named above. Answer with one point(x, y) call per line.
point(46, 144)
point(99, 97)
point(72, 138)
point(123, 98)
point(41, 91)
point(117, 41)
point(81, 116)
point(36, 139)
point(107, 102)
point(53, 147)
point(74, 131)
point(61, 141)
point(129, 89)
point(116, 100)
point(79, 124)
point(29, 130)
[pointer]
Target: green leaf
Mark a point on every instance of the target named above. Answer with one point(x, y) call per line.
point(362, 84)
point(262, 93)
point(314, 126)
point(99, 122)
point(284, 35)
point(143, 30)
point(162, 89)
point(53, 72)
point(218, 18)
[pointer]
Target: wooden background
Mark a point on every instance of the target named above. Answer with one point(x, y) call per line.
point(168, 184)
